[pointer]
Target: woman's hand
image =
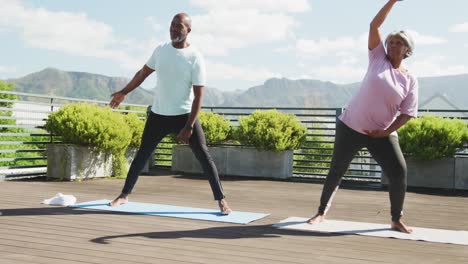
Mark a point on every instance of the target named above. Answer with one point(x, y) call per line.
point(377, 133)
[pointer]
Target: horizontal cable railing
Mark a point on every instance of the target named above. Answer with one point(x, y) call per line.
point(23, 139)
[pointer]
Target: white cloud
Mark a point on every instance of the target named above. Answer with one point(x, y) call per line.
point(157, 26)
point(341, 73)
point(459, 28)
point(285, 49)
point(292, 6)
point(344, 60)
point(340, 60)
point(222, 71)
point(343, 47)
point(218, 32)
point(71, 33)
point(348, 54)
point(325, 46)
point(348, 47)
point(235, 24)
point(436, 65)
point(423, 40)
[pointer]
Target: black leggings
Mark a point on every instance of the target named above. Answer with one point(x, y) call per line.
point(159, 126)
point(386, 151)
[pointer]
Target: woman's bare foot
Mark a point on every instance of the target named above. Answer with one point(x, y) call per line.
point(399, 226)
point(318, 218)
point(121, 199)
point(224, 207)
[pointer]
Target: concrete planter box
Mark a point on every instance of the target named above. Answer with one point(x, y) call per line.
point(73, 162)
point(447, 173)
point(461, 173)
point(237, 161)
point(131, 152)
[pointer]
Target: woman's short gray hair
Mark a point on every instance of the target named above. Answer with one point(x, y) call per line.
point(406, 38)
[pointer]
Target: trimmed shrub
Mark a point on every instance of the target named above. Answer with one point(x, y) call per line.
point(271, 130)
point(431, 137)
point(94, 126)
point(136, 127)
point(215, 126)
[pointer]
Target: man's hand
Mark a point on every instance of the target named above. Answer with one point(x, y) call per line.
point(377, 133)
point(117, 98)
point(184, 135)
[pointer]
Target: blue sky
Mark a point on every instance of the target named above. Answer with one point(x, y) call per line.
point(244, 42)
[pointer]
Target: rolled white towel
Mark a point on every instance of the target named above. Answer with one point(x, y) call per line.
point(61, 199)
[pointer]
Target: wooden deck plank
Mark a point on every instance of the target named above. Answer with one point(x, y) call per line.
point(295, 246)
point(9, 258)
point(270, 249)
point(37, 231)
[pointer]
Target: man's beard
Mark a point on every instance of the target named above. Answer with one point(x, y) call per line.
point(178, 39)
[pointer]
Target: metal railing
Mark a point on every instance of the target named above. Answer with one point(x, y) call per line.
point(23, 140)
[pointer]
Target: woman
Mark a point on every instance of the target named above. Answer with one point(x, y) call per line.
point(387, 99)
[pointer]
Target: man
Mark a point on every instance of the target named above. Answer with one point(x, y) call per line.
point(177, 102)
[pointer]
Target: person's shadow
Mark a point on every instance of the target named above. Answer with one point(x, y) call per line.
point(223, 232)
point(58, 210)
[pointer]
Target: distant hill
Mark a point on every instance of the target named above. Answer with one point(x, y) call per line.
point(294, 93)
point(452, 89)
point(445, 92)
point(77, 85)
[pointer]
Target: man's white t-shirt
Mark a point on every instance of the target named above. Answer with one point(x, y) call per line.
point(177, 70)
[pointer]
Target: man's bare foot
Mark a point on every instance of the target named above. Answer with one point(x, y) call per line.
point(399, 226)
point(318, 218)
point(121, 199)
point(224, 207)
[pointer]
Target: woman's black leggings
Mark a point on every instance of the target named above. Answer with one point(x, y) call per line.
point(386, 151)
point(159, 126)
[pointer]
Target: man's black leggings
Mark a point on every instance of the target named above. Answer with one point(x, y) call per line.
point(159, 126)
point(386, 151)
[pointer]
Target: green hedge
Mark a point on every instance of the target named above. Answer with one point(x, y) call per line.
point(91, 125)
point(271, 130)
point(136, 127)
point(430, 137)
point(215, 127)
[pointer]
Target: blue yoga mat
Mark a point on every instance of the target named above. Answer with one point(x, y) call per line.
point(173, 211)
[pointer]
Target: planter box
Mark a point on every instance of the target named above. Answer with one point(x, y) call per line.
point(461, 173)
point(447, 173)
point(72, 162)
point(131, 152)
point(237, 161)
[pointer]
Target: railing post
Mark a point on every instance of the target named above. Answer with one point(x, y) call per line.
point(51, 111)
point(338, 112)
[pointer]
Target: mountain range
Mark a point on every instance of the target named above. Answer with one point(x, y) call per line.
point(444, 92)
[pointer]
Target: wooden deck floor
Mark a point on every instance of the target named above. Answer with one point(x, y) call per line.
point(35, 233)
